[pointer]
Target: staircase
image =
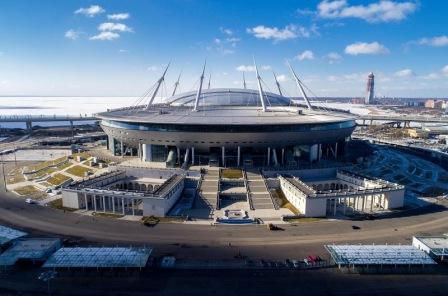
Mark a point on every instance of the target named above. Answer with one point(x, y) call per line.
point(259, 196)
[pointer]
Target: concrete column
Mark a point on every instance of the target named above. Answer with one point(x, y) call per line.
point(122, 205)
point(372, 197)
point(178, 155)
point(113, 204)
point(239, 156)
point(147, 152)
point(94, 202)
point(269, 156)
point(104, 203)
point(283, 156)
point(111, 141)
point(336, 150)
point(85, 199)
point(345, 205)
point(132, 205)
point(274, 156)
point(363, 202)
point(314, 153)
point(192, 155)
point(122, 148)
point(335, 206)
point(223, 150)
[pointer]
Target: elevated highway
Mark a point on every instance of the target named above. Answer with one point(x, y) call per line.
point(405, 119)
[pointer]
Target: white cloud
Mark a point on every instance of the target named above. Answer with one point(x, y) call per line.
point(366, 48)
point(91, 11)
point(114, 27)
point(123, 51)
point(118, 16)
point(438, 41)
point(282, 78)
point(431, 76)
point(72, 34)
point(276, 34)
point(405, 73)
point(306, 55)
point(245, 68)
point(332, 78)
point(251, 68)
point(445, 70)
point(225, 51)
point(333, 57)
point(226, 31)
point(381, 11)
point(105, 36)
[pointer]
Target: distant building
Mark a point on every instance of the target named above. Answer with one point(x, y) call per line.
point(434, 104)
point(358, 101)
point(370, 89)
point(416, 133)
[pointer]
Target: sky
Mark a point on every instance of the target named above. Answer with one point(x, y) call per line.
point(120, 48)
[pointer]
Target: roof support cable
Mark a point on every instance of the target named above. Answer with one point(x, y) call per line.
point(260, 89)
point(278, 84)
point(159, 82)
point(299, 84)
point(176, 84)
point(198, 94)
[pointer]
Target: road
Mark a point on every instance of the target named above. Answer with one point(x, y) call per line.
point(183, 238)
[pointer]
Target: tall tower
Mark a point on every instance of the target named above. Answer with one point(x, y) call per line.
point(370, 89)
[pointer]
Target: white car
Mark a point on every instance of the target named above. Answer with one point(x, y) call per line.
point(30, 201)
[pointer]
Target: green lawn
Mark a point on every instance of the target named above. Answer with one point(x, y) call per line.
point(57, 179)
point(78, 171)
point(27, 190)
point(232, 173)
point(57, 204)
point(45, 164)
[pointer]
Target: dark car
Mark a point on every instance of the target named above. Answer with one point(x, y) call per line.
point(355, 227)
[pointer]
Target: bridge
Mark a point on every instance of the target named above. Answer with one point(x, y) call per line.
point(405, 119)
point(29, 119)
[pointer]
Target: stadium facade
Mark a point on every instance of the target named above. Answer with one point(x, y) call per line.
point(228, 127)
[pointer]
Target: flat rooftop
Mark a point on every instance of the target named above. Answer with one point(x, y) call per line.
point(437, 244)
point(33, 249)
point(99, 257)
point(378, 255)
point(8, 234)
point(229, 115)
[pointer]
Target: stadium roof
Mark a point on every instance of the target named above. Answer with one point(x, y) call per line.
point(378, 255)
point(228, 97)
point(8, 234)
point(99, 257)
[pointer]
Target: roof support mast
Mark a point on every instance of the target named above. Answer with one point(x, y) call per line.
point(260, 89)
point(299, 84)
point(278, 84)
point(159, 82)
point(176, 84)
point(244, 82)
point(198, 94)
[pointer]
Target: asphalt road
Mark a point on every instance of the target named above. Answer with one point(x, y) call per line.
point(198, 240)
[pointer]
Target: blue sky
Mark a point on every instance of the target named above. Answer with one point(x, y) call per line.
point(119, 48)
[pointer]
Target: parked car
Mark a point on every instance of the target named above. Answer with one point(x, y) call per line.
point(355, 227)
point(30, 201)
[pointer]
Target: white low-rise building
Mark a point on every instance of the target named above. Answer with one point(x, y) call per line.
point(126, 192)
point(435, 246)
point(342, 193)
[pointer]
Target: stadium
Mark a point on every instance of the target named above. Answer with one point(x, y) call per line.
point(228, 127)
